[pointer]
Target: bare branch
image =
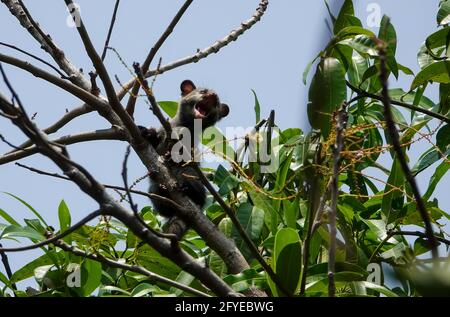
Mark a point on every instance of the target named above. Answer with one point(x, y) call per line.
point(132, 268)
point(151, 98)
point(201, 54)
point(232, 215)
point(137, 192)
point(151, 55)
point(111, 27)
point(52, 239)
point(68, 116)
point(36, 58)
point(390, 123)
point(341, 118)
point(103, 74)
point(363, 94)
point(113, 133)
point(20, 11)
point(99, 104)
point(109, 206)
point(5, 262)
point(217, 45)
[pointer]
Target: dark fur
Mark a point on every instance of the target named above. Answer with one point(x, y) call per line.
point(192, 98)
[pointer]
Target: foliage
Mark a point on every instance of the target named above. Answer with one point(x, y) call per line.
point(277, 209)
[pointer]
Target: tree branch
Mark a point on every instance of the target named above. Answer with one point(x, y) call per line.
point(132, 268)
point(362, 94)
point(5, 262)
point(214, 48)
point(113, 133)
point(61, 235)
point(108, 205)
point(99, 104)
point(151, 55)
point(36, 58)
point(111, 27)
point(107, 83)
point(390, 123)
point(341, 118)
point(19, 10)
point(232, 215)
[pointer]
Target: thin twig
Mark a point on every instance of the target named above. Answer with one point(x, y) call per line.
point(232, 215)
point(151, 55)
point(36, 58)
point(132, 268)
point(125, 181)
point(151, 98)
point(362, 94)
point(61, 235)
point(100, 68)
point(390, 123)
point(19, 10)
point(7, 267)
point(341, 118)
point(111, 27)
point(3, 139)
point(114, 187)
point(113, 133)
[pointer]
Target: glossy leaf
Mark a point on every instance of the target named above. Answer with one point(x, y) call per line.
point(327, 92)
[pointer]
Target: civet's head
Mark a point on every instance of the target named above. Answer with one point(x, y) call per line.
point(200, 103)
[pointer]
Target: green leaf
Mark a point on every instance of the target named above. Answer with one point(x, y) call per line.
point(182, 278)
point(64, 219)
point(388, 34)
point(357, 70)
point(437, 39)
point(393, 199)
point(424, 57)
point(246, 279)
point(370, 72)
point(64, 216)
point(144, 289)
point(363, 44)
point(327, 92)
point(444, 98)
point(308, 68)
point(252, 220)
point(24, 232)
point(352, 31)
point(437, 72)
point(217, 143)
point(27, 270)
point(225, 180)
point(169, 107)
point(378, 288)
point(291, 212)
point(29, 207)
point(257, 108)
point(443, 16)
point(8, 218)
point(91, 274)
point(265, 203)
point(443, 138)
point(441, 170)
point(427, 159)
point(344, 18)
point(286, 260)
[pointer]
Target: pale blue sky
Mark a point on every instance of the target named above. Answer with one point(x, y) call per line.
point(269, 58)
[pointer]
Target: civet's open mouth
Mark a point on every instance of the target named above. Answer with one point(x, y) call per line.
point(203, 108)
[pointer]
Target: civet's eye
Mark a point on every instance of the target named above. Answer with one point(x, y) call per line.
point(204, 91)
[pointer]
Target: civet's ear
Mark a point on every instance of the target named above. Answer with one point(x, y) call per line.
point(186, 87)
point(224, 110)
